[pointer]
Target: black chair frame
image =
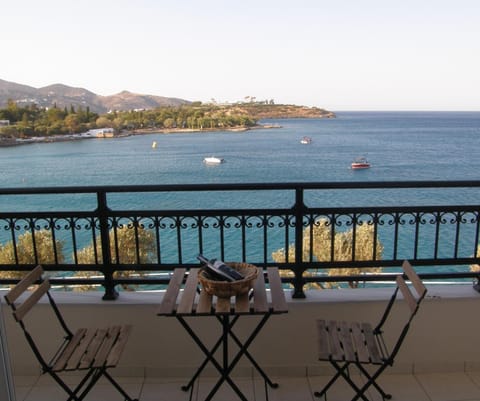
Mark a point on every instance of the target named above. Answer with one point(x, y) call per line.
point(359, 344)
point(92, 350)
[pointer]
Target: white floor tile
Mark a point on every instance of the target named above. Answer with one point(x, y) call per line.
point(163, 391)
point(225, 391)
point(449, 386)
point(339, 391)
point(403, 387)
point(288, 389)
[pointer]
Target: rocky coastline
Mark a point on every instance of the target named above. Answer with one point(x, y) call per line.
point(8, 142)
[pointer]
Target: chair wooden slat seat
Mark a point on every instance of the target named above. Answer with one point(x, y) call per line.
point(92, 350)
point(360, 346)
point(359, 343)
point(347, 341)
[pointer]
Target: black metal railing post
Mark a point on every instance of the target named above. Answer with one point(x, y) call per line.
point(102, 210)
point(299, 211)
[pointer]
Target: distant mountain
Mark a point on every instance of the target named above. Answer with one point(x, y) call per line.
point(66, 96)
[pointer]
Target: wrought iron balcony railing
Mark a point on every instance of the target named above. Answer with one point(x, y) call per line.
point(309, 230)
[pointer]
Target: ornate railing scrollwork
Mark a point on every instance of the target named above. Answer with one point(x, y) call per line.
point(315, 239)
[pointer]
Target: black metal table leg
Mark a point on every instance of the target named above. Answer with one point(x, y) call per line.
point(226, 367)
point(209, 354)
point(206, 351)
point(244, 349)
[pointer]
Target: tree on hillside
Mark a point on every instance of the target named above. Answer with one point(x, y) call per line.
point(124, 240)
point(24, 248)
point(169, 123)
point(103, 122)
point(72, 123)
point(476, 267)
point(321, 235)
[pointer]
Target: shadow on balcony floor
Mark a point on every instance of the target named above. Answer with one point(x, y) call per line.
point(455, 386)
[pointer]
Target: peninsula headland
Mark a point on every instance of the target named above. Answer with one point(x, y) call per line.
point(24, 120)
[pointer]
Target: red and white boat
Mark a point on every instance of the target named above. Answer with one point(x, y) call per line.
point(360, 163)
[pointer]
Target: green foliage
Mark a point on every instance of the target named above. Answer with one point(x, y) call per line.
point(124, 239)
point(24, 248)
point(34, 121)
point(476, 267)
point(320, 234)
point(194, 116)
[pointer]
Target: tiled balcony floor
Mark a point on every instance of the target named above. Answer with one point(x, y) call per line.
point(456, 386)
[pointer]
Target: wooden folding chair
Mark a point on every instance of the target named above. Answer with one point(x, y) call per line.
point(91, 350)
point(359, 344)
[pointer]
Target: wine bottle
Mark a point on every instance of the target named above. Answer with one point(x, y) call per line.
point(220, 270)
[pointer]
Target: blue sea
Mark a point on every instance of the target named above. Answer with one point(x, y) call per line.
point(400, 146)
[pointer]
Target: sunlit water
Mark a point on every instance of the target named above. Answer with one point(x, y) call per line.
point(400, 146)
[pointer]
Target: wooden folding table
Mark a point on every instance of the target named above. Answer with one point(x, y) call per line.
point(185, 298)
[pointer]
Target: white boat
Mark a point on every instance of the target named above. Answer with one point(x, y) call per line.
point(154, 145)
point(360, 163)
point(306, 140)
point(213, 160)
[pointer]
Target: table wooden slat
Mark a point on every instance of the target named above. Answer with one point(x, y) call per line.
point(204, 303)
point(189, 292)
point(188, 302)
point(242, 304)
point(226, 311)
point(167, 307)
point(279, 302)
point(260, 303)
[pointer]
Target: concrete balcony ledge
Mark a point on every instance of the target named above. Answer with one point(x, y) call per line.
point(443, 337)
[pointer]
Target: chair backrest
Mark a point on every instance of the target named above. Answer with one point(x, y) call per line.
point(21, 309)
point(22, 300)
point(411, 298)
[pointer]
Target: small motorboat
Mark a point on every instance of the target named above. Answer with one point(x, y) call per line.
point(306, 140)
point(360, 163)
point(213, 160)
point(154, 145)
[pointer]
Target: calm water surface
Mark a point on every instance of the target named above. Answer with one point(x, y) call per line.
point(400, 146)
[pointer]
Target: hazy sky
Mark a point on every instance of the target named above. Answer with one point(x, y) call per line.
point(335, 54)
